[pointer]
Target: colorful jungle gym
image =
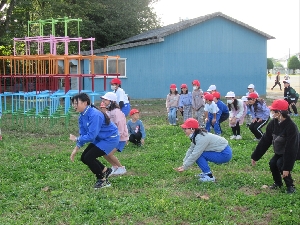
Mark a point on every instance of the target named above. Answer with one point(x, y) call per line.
point(38, 84)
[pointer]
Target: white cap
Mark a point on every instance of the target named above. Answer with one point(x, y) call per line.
point(212, 88)
point(251, 86)
point(287, 81)
point(244, 99)
point(230, 94)
point(110, 96)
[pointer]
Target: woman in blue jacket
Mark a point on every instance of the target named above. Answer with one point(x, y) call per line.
point(102, 135)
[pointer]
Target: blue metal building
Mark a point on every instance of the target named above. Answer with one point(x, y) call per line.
point(214, 49)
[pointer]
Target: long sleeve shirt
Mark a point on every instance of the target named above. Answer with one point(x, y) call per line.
point(185, 99)
point(121, 96)
point(172, 101)
point(290, 94)
point(262, 111)
point(285, 139)
point(197, 99)
point(222, 107)
point(137, 126)
point(93, 129)
point(240, 112)
point(206, 142)
point(119, 119)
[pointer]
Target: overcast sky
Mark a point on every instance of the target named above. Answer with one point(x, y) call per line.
point(278, 18)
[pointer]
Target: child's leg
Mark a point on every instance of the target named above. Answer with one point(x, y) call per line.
point(173, 115)
point(215, 157)
point(113, 160)
point(216, 125)
point(208, 123)
point(200, 115)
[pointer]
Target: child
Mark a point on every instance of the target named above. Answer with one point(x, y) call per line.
point(237, 110)
point(136, 128)
point(270, 75)
point(222, 107)
point(248, 115)
point(118, 118)
point(259, 113)
point(212, 89)
point(205, 147)
point(172, 102)
point(185, 102)
point(212, 114)
point(198, 102)
point(277, 81)
point(103, 107)
point(291, 96)
point(122, 98)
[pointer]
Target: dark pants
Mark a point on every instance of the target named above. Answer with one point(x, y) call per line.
point(293, 106)
point(276, 164)
point(89, 157)
point(255, 128)
point(236, 130)
point(135, 138)
point(223, 117)
point(276, 84)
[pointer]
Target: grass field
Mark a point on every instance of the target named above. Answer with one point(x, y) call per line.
point(40, 185)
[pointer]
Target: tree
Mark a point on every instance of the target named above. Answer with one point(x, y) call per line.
point(294, 63)
point(270, 64)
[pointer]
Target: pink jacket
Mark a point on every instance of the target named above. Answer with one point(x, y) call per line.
point(118, 118)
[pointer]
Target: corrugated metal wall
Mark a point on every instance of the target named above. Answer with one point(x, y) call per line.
point(217, 52)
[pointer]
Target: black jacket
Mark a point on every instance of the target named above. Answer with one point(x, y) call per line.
point(290, 94)
point(287, 143)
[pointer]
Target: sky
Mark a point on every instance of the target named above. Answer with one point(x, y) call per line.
point(278, 18)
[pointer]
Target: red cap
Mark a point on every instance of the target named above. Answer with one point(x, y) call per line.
point(173, 86)
point(190, 123)
point(205, 93)
point(252, 95)
point(217, 95)
point(196, 82)
point(183, 86)
point(133, 111)
point(279, 104)
point(115, 81)
point(209, 97)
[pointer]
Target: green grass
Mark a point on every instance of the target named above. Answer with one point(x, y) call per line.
point(40, 185)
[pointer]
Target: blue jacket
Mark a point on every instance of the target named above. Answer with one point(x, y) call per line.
point(262, 112)
point(222, 107)
point(93, 129)
point(185, 99)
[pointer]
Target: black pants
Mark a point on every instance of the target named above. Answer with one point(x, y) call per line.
point(276, 84)
point(276, 164)
point(223, 117)
point(89, 157)
point(236, 130)
point(255, 128)
point(135, 138)
point(293, 106)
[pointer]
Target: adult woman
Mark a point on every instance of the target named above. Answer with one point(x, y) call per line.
point(283, 133)
point(102, 135)
point(205, 147)
point(291, 96)
point(260, 115)
point(237, 112)
point(122, 98)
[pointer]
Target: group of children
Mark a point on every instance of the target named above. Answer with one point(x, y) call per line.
point(210, 111)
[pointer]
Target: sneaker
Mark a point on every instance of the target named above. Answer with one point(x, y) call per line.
point(107, 173)
point(120, 171)
point(113, 170)
point(200, 175)
point(295, 114)
point(233, 137)
point(102, 184)
point(238, 137)
point(275, 186)
point(256, 139)
point(174, 124)
point(290, 190)
point(206, 178)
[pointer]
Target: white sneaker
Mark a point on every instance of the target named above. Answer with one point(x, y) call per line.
point(206, 178)
point(238, 137)
point(113, 170)
point(120, 171)
point(232, 137)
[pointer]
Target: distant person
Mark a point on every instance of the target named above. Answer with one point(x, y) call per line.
point(185, 102)
point(198, 102)
point(291, 96)
point(122, 98)
point(283, 134)
point(172, 103)
point(205, 147)
point(260, 115)
point(277, 81)
point(212, 114)
point(286, 77)
point(248, 117)
point(136, 129)
point(270, 75)
point(222, 107)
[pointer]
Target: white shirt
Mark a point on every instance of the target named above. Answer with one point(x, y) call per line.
point(121, 96)
point(212, 108)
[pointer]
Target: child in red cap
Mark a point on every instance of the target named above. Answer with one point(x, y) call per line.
point(172, 103)
point(136, 128)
